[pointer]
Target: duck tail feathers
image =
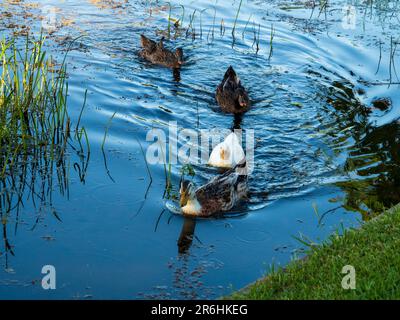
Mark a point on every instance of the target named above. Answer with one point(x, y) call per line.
point(241, 164)
point(241, 169)
point(147, 44)
point(231, 74)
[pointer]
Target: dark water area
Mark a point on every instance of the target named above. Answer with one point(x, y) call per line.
point(325, 158)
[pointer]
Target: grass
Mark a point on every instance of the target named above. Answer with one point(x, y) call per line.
point(373, 250)
point(33, 112)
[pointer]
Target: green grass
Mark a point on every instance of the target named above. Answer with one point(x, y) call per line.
point(373, 250)
point(33, 99)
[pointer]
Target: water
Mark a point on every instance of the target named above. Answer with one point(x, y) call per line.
point(323, 159)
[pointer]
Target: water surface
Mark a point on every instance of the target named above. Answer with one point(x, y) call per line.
point(324, 158)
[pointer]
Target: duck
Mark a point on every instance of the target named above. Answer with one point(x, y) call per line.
point(228, 153)
point(156, 53)
point(220, 194)
point(231, 96)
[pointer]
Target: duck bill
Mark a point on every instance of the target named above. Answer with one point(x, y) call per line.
point(183, 200)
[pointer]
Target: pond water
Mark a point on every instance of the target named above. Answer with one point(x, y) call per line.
point(324, 158)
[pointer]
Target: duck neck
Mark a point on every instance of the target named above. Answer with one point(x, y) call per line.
point(192, 207)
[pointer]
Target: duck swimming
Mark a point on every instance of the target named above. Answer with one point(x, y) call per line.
point(157, 54)
point(228, 153)
point(231, 95)
point(220, 194)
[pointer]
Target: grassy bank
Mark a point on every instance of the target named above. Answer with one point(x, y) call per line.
point(373, 250)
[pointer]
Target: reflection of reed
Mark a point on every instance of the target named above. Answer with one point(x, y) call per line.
point(32, 178)
point(373, 161)
point(35, 134)
point(103, 144)
point(7, 246)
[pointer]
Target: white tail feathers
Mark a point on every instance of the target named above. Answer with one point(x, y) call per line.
point(228, 153)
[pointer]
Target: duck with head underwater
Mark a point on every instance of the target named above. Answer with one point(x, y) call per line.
point(231, 96)
point(156, 53)
point(228, 153)
point(220, 194)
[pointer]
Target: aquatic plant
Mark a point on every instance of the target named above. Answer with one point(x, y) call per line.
point(211, 31)
point(104, 143)
point(236, 18)
point(35, 131)
point(245, 27)
point(187, 169)
point(33, 113)
point(191, 26)
point(271, 46)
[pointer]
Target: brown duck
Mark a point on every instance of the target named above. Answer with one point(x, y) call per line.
point(220, 194)
point(157, 54)
point(231, 95)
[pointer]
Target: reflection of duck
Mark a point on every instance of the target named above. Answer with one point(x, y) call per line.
point(218, 195)
point(156, 53)
point(231, 95)
point(228, 153)
point(187, 233)
point(237, 121)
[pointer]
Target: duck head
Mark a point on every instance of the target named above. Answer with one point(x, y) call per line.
point(242, 98)
point(187, 192)
point(179, 55)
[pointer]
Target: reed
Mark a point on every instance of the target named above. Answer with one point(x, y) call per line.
point(236, 18)
point(35, 129)
point(392, 64)
point(169, 19)
point(222, 27)
point(211, 31)
point(33, 103)
point(258, 38)
point(103, 144)
point(201, 22)
point(191, 27)
point(271, 40)
point(245, 27)
point(380, 57)
point(183, 14)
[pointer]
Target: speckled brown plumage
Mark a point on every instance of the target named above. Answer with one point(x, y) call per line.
point(156, 53)
point(223, 192)
point(231, 95)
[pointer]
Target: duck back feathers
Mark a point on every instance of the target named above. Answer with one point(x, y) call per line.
point(156, 53)
point(223, 192)
point(231, 96)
